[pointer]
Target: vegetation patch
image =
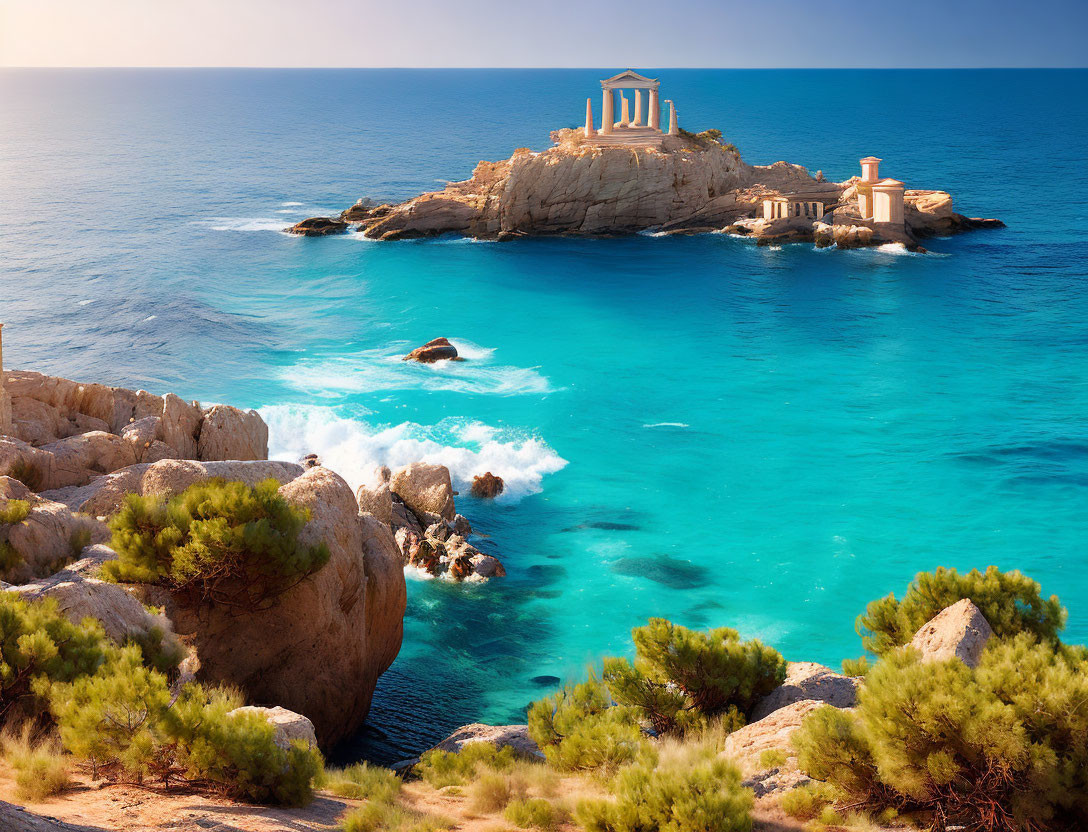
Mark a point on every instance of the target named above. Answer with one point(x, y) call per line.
point(682, 678)
point(998, 748)
point(41, 769)
point(1011, 602)
point(217, 542)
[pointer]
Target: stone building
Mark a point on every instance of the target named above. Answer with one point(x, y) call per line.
point(792, 205)
point(879, 200)
point(641, 128)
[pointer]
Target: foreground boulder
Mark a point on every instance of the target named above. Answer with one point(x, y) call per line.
point(320, 647)
point(440, 349)
point(959, 631)
point(318, 227)
point(49, 536)
point(80, 596)
point(290, 727)
point(808, 681)
point(501, 736)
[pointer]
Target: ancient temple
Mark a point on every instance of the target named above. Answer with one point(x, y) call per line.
point(643, 127)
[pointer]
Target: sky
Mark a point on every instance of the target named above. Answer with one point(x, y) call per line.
point(545, 33)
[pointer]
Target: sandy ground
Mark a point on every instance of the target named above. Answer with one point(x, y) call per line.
point(88, 807)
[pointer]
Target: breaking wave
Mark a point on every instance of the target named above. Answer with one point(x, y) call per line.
point(354, 448)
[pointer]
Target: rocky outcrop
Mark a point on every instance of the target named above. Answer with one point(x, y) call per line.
point(105, 494)
point(48, 537)
point(425, 489)
point(79, 596)
point(688, 183)
point(487, 486)
point(960, 631)
point(501, 736)
point(318, 227)
point(321, 646)
point(440, 349)
point(773, 732)
point(808, 681)
point(230, 433)
point(290, 727)
point(64, 433)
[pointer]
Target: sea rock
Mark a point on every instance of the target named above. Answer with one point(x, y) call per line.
point(318, 227)
point(440, 349)
point(318, 649)
point(181, 423)
point(808, 680)
point(487, 486)
point(230, 433)
point(425, 488)
point(290, 727)
point(586, 189)
point(142, 433)
point(28, 464)
point(49, 537)
point(37, 422)
point(959, 631)
point(104, 495)
point(365, 209)
point(121, 615)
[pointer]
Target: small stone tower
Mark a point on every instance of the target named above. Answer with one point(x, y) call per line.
point(5, 399)
point(888, 202)
point(870, 167)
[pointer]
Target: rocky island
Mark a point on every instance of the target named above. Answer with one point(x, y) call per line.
point(630, 176)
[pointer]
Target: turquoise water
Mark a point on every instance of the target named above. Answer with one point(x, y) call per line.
point(691, 427)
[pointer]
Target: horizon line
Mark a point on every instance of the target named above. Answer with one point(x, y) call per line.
point(535, 67)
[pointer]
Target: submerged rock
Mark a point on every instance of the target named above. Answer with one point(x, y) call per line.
point(318, 227)
point(440, 349)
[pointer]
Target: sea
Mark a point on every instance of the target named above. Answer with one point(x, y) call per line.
point(689, 427)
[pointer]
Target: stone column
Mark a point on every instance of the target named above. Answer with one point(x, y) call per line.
point(606, 112)
point(655, 111)
point(5, 399)
point(590, 132)
point(638, 109)
point(674, 125)
point(625, 113)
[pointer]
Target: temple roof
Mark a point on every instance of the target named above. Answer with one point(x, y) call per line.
point(630, 78)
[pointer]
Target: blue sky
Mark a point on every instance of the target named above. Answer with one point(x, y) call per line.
point(560, 33)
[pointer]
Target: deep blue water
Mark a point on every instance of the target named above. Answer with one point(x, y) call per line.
point(691, 427)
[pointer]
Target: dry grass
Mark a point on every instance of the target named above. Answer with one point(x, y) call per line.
point(41, 769)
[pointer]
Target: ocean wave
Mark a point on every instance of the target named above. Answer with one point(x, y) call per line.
point(292, 204)
point(243, 224)
point(354, 448)
point(372, 370)
point(668, 425)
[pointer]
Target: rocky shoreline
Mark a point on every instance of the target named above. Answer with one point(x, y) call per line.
point(691, 183)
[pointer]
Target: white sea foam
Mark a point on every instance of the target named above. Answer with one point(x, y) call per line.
point(892, 248)
point(292, 204)
point(354, 448)
point(372, 370)
point(243, 224)
point(85, 302)
point(668, 425)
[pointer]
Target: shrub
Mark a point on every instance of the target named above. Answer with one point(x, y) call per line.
point(1000, 747)
point(682, 677)
point(534, 812)
point(856, 667)
point(13, 512)
point(40, 768)
point(447, 768)
point(27, 473)
point(1011, 602)
point(772, 758)
point(219, 542)
point(39, 644)
point(578, 728)
point(492, 791)
point(806, 802)
point(706, 797)
point(126, 723)
point(362, 782)
point(160, 651)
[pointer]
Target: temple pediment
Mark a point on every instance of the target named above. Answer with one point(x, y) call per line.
point(631, 80)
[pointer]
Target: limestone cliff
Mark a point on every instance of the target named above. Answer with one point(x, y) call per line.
point(689, 183)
